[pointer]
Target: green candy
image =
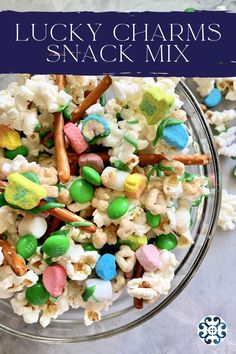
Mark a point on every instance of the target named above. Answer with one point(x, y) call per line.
point(37, 294)
point(166, 241)
point(26, 246)
point(56, 245)
point(32, 176)
point(117, 208)
point(134, 242)
point(11, 154)
point(121, 166)
point(89, 247)
point(190, 9)
point(81, 191)
point(153, 220)
point(91, 175)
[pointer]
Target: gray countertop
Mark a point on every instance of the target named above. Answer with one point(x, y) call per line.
point(211, 291)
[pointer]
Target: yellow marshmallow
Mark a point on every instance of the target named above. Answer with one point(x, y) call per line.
point(9, 138)
point(22, 192)
point(135, 185)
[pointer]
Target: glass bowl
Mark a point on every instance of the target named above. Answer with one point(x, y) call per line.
point(122, 315)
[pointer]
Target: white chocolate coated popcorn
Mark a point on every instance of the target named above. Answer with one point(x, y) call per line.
point(227, 217)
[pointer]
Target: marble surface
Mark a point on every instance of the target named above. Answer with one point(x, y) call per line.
point(212, 290)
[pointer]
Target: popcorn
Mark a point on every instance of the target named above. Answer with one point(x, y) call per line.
point(32, 142)
point(79, 263)
point(205, 85)
point(21, 307)
point(54, 309)
point(225, 142)
point(42, 90)
point(154, 284)
point(227, 217)
point(11, 283)
point(7, 220)
point(18, 164)
point(78, 85)
point(220, 118)
point(91, 316)
point(36, 263)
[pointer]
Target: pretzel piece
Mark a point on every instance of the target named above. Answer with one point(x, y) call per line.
point(62, 162)
point(12, 258)
point(67, 216)
point(150, 159)
point(92, 98)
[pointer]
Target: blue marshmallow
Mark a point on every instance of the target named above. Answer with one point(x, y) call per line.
point(213, 99)
point(106, 267)
point(176, 136)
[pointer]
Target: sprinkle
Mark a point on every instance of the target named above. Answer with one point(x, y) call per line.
point(121, 166)
point(80, 223)
point(67, 114)
point(132, 142)
point(134, 121)
point(188, 177)
point(156, 169)
point(37, 127)
point(46, 207)
point(88, 292)
point(118, 116)
point(166, 168)
point(62, 107)
point(103, 100)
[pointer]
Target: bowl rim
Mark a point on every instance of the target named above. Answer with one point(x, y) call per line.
point(188, 276)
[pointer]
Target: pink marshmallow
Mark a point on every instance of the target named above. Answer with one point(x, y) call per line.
point(54, 279)
point(75, 138)
point(148, 256)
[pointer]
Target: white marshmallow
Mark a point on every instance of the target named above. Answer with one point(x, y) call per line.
point(114, 178)
point(103, 290)
point(35, 225)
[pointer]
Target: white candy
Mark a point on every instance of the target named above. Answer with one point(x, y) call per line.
point(103, 290)
point(35, 225)
point(113, 178)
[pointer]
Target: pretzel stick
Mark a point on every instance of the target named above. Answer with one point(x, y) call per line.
point(91, 98)
point(196, 159)
point(12, 258)
point(150, 159)
point(62, 162)
point(138, 303)
point(67, 216)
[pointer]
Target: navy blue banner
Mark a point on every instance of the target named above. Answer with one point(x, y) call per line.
point(137, 44)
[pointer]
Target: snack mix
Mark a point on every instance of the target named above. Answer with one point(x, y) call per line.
point(95, 194)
